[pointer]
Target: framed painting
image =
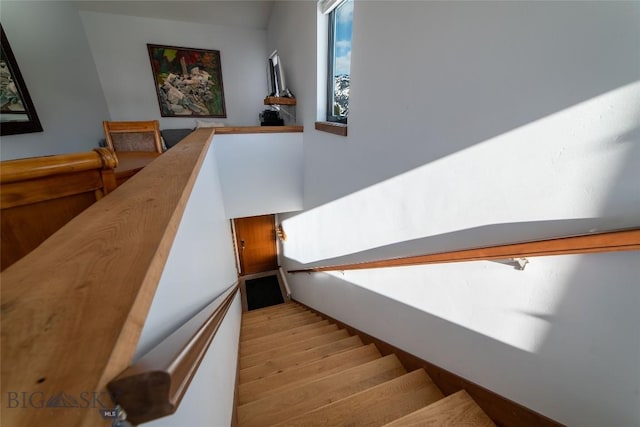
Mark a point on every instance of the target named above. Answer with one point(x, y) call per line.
point(188, 81)
point(17, 113)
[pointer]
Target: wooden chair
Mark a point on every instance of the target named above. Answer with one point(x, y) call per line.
point(133, 136)
point(41, 194)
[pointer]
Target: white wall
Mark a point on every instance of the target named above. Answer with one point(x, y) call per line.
point(200, 266)
point(516, 118)
point(291, 33)
point(209, 398)
point(201, 263)
point(53, 55)
point(260, 173)
point(449, 78)
point(119, 47)
point(560, 337)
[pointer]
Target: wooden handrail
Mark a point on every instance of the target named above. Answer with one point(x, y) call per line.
point(154, 386)
point(235, 130)
point(74, 307)
point(616, 241)
point(39, 195)
point(38, 167)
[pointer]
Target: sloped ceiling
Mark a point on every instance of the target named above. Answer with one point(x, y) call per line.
point(248, 14)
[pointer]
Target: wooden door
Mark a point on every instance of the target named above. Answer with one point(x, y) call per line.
point(256, 240)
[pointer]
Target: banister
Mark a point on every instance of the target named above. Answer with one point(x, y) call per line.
point(37, 167)
point(236, 130)
point(39, 195)
point(74, 307)
point(154, 386)
point(615, 241)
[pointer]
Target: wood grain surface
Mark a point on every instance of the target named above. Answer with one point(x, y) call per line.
point(616, 241)
point(73, 309)
point(39, 195)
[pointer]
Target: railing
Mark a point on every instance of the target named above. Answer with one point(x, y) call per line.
point(73, 308)
point(154, 386)
point(258, 129)
point(616, 241)
point(41, 194)
point(46, 166)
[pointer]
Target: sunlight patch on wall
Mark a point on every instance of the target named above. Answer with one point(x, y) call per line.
point(558, 167)
point(514, 307)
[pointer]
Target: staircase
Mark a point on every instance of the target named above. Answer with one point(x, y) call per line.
point(297, 369)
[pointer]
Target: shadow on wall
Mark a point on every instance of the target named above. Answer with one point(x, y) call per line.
point(594, 337)
point(478, 237)
point(561, 336)
point(415, 331)
point(556, 169)
point(449, 75)
point(552, 379)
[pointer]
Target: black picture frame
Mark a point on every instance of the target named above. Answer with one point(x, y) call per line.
point(14, 95)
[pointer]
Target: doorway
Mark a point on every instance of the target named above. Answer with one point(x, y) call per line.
point(256, 243)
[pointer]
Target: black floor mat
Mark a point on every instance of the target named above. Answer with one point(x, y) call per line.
point(263, 292)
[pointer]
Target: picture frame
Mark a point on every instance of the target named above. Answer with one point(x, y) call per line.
point(188, 81)
point(17, 113)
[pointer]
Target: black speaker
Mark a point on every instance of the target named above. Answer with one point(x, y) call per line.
point(271, 118)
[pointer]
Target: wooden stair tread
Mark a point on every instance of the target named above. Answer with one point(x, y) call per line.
point(279, 325)
point(280, 309)
point(268, 341)
point(278, 321)
point(272, 309)
point(376, 405)
point(290, 401)
point(273, 327)
point(335, 363)
point(297, 369)
point(284, 320)
point(272, 316)
point(294, 347)
point(455, 410)
point(269, 309)
point(289, 361)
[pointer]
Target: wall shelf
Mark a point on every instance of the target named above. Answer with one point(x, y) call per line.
point(278, 100)
point(285, 105)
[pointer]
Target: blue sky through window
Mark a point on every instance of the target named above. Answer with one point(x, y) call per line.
point(344, 20)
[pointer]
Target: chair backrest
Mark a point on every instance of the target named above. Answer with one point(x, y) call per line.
point(133, 136)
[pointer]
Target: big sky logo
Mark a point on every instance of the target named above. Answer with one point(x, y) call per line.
point(37, 399)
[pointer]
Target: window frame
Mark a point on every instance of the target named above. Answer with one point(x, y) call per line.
point(331, 54)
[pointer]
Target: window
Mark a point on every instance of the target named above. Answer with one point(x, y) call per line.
point(339, 72)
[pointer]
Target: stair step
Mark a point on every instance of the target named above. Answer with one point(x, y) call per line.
point(270, 309)
point(455, 410)
point(375, 406)
point(274, 315)
point(289, 336)
point(294, 347)
point(280, 364)
point(278, 320)
point(272, 327)
point(290, 377)
point(293, 400)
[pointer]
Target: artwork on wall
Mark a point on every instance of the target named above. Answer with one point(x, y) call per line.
point(188, 81)
point(17, 113)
